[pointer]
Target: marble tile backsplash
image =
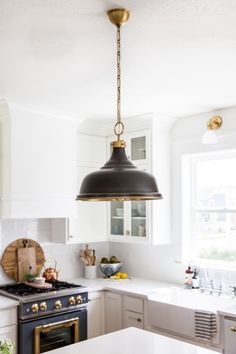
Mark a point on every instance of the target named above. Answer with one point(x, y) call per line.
point(67, 256)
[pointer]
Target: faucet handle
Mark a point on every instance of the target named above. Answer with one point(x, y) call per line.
point(233, 290)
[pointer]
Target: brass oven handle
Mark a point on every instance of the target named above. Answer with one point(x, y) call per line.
point(65, 324)
point(233, 329)
point(48, 327)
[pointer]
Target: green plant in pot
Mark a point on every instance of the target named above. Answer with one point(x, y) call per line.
point(7, 347)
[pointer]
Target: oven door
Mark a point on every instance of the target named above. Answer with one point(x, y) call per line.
point(43, 334)
point(56, 335)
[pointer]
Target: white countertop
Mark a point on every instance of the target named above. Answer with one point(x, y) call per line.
point(7, 303)
point(136, 286)
point(229, 311)
point(131, 341)
point(173, 294)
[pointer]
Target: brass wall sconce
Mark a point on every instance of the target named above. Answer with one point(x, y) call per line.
point(210, 136)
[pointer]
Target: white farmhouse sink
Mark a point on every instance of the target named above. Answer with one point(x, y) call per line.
point(190, 299)
point(172, 309)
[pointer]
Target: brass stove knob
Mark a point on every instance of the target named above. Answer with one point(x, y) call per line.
point(58, 304)
point(43, 306)
point(35, 308)
point(79, 299)
point(71, 300)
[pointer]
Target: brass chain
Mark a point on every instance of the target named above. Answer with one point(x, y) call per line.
point(119, 126)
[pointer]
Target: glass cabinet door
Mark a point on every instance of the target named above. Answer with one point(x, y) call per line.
point(138, 148)
point(138, 218)
point(117, 218)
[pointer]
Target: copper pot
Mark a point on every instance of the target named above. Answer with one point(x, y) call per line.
point(51, 273)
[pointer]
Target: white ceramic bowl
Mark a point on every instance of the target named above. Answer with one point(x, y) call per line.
point(110, 269)
point(119, 212)
point(39, 280)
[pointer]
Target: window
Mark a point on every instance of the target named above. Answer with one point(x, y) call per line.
point(209, 208)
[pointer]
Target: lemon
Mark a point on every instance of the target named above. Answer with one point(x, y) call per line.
point(119, 273)
point(124, 276)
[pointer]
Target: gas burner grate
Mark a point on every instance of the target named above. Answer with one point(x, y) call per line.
point(21, 289)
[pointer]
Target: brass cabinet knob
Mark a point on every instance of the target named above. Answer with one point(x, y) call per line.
point(58, 305)
point(127, 232)
point(71, 300)
point(35, 308)
point(43, 306)
point(233, 329)
point(79, 299)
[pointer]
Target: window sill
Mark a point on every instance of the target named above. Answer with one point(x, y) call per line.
point(213, 264)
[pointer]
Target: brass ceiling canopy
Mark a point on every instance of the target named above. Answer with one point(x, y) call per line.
point(118, 16)
point(118, 179)
point(214, 123)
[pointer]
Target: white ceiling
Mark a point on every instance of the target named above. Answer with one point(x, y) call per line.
point(178, 56)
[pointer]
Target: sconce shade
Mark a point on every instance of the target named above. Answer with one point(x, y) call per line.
point(118, 179)
point(209, 137)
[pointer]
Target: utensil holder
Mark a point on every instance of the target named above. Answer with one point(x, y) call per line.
point(90, 272)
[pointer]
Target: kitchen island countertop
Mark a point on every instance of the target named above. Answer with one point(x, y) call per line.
point(131, 341)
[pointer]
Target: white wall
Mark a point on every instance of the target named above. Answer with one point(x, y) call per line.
point(67, 256)
point(162, 262)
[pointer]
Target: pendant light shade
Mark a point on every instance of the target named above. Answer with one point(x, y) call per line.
point(118, 179)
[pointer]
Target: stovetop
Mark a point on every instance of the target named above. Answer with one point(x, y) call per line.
point(26, 293)
point(21, 289)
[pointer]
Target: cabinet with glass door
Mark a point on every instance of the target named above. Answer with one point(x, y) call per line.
point(129, 221)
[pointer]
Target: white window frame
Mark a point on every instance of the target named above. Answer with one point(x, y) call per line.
point(188, 172)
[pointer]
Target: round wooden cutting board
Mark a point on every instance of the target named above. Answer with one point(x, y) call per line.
point(9, 259)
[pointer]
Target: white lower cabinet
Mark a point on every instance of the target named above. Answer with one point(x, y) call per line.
point(123, 311)
point(8, 324)
point(133, 312)
point(8, 332)
point(96, 316)
point(230, 336)
point(113, 312)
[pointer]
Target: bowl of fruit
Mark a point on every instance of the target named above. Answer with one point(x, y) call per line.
point(110, 267)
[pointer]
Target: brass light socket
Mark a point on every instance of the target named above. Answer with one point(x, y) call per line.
point(119, 144)
point(118, 16)
point(214, 123)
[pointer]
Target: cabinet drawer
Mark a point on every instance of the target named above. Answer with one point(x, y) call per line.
point(8, 317)
point(133, 304)
point(133, 319)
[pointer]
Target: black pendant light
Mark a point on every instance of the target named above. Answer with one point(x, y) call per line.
point(118, 179)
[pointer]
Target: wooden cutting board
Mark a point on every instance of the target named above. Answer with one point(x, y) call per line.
point(26, 260)
point(9, 259)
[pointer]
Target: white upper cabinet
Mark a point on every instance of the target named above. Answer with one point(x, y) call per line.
point(38, 169)
point(130, 221)
point(89, 223)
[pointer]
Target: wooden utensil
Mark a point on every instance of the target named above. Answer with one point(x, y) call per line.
point(26, 259)
point(94, 258)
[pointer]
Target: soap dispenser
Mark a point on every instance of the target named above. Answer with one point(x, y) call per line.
point(188, 278)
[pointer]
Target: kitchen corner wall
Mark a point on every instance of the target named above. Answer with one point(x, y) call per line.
point(163, 262)
point(67, 256)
